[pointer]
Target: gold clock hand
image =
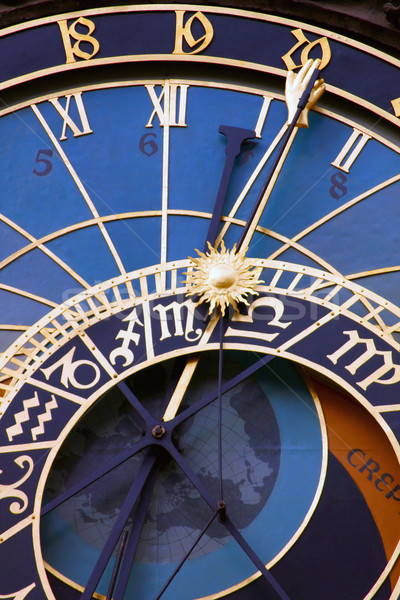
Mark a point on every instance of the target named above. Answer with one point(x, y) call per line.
point(292, 98)
point(302, 90)
point(187, 374)
point(250, 182)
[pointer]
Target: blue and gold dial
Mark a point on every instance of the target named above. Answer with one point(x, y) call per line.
point(149, 450)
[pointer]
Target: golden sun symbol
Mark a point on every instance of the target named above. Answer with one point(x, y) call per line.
point(222, 277)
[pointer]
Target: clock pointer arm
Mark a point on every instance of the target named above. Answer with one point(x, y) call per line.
point(216, 507)
point(302, 91)
point(115, 462)
point(123, 516)
point(235, 138)
point(139, 516)
point(184, 559)
point(84, 483)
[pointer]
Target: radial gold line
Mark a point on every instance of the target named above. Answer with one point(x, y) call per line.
point(186, 376)
point(336, 212)
point(361, 274)
point(309, 330)
point(50, 388)
point(27, 447)
point(374, 314)
point(278, 236)
point(37, 244)
point(80, 186)
point(251, 180)
point(19, 292)
point(99, 356)
point(165, 176)
point(388, 408)
point(140, 214)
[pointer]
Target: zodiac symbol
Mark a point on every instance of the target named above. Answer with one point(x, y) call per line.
point(10, 491)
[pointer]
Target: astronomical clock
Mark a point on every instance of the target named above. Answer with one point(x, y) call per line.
point(200, 308)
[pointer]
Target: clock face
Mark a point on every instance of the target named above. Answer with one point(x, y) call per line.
point(148, 448)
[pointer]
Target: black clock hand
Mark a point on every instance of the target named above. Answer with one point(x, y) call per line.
point(149, 439)
point(139, 517)
point(92, 477)
point(117, 565)
point(222, 320)
point(311, 76)
point(126, 509)
point(235, 137)
point(225, 520)
point(188, 553)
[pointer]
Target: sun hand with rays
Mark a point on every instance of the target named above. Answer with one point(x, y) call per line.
point(222, 278)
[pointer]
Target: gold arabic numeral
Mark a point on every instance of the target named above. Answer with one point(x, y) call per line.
point(307, 46)
point(73, 50)
point(84, 127)
point(174, 96)
point(183, 32)
point(350, 150)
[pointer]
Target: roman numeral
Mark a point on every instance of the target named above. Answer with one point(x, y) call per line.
point(351, 150)
point(170, 101)
point(84, 127)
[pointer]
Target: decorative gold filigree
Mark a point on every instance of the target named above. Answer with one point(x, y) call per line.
point(222, 277)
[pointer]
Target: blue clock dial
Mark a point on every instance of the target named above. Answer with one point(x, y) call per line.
point(148, 448)
point(121, 193)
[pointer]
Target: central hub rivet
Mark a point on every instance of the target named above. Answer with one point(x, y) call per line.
point(158, 431)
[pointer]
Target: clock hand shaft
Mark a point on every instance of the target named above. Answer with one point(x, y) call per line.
point(186, 376)
point(143, 443)
point(117, 565)
point(255, 559)
point(139, 516)
point(300, 107)
point(137, 405)
point(220, 365)
point(228, 385)
point(250, 182)
point(126, 509)
point(226, 521)
point(81, 485)
point(184, 559)
point(235, 137)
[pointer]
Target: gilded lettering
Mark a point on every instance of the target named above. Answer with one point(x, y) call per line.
point(69, 367)
point(67, 120)
point(184, 32)
point(11, 491)
point(176, 309)
point(308, 46)
point(73, 50)
point(127, 336)
point(370, 351)
point(269, 301)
